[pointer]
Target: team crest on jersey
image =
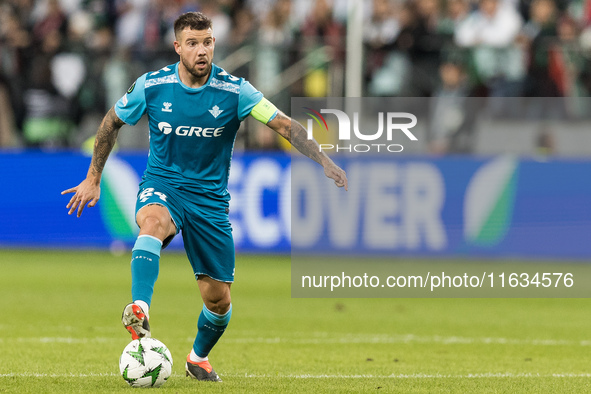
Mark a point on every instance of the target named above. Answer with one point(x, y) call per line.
point(166, 107)
point(216, 111)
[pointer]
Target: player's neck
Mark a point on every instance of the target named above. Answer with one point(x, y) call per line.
point(190, 80)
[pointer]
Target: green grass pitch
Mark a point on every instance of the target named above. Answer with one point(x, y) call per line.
point(60, 331)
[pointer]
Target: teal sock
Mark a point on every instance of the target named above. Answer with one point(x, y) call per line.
point(210, 327)
point(145, 265)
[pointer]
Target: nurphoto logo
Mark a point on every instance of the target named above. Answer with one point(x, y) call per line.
point(394, 122)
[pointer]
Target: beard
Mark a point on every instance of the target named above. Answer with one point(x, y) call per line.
point(192, 68)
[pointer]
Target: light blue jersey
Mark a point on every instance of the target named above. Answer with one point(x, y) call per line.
point(192, 131)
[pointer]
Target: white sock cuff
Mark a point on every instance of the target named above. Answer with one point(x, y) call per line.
point(195, 358)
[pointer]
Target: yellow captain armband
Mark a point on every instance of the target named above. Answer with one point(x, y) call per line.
point(264, 111)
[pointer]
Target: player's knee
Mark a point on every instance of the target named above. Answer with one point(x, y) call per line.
point(219, 305)
point(155, 220)
point(154, 226)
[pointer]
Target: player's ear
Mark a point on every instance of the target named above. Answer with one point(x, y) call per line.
point(177, 47)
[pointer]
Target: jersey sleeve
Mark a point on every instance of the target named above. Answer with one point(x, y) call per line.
point(248, 98)
point(132, 106)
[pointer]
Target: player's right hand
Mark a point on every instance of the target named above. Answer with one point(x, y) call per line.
point(337, 174)
point(87, 192)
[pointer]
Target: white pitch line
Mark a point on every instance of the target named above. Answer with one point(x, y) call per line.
point(56, 375)
point(422, 376)
point(330, 339)
point(486, 375)
point(407, 339)
point(66, 340)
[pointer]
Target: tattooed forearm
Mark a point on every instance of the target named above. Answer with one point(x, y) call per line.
point(295, 133)
point(310, 148)
point(284, 128)
point(104, 142)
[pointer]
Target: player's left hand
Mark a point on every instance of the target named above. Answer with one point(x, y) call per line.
point(336, 173)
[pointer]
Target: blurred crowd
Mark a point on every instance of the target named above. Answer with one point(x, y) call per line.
point(61, 60)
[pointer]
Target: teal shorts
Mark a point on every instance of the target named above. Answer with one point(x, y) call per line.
point(205, 226)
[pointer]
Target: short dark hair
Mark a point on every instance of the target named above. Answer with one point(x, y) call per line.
point(192, 20)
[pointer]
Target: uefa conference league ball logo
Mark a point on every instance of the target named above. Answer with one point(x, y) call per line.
point(119, 190)
point(489, 202)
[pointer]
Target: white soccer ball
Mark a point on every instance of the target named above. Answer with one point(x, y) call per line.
point(145, 362)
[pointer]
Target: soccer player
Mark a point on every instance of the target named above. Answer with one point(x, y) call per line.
point(194, 109)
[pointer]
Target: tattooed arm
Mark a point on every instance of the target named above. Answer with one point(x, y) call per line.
point(104, 142)
point(295, 133)
point(89, 191)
